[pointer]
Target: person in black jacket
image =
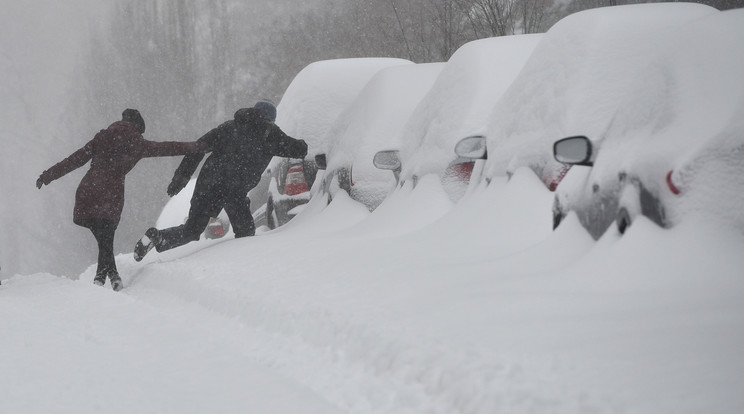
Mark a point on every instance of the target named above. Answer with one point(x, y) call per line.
point(241, 149)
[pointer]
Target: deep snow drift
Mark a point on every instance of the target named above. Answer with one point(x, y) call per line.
point(482, 310)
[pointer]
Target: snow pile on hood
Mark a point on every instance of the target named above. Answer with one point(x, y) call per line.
point(598, 73)
point(461, 99)
point(320, 92)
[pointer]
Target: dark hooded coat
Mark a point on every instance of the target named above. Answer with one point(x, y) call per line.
point(112, 153)
point(241, 149)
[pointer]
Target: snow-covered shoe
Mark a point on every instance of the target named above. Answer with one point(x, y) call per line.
point(99, 280)
point(146, 243)
point(116, 283)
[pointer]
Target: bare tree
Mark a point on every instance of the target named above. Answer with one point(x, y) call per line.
point(490, 18)
point(533, 15)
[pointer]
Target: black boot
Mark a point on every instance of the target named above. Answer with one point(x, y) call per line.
point(116, 282)
point(146, 243)
point(100, 279)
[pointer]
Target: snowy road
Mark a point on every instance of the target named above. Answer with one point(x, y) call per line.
point(394, 312)
point(80, 348)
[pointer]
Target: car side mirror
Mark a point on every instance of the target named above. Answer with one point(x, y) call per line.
point(320, 161)
point(473, 147)
point(573, 151)
point(387, 160)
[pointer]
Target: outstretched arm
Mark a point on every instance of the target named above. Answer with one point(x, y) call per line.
point(76, 160)
point(172, 148)
point(190, 162)
point(282, 145)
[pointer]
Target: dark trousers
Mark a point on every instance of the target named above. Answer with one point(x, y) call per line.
point(238, 211)
point(103, 230)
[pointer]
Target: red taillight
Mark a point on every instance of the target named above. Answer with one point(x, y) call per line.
point(553, 184)
point(463, 170)
point(216, 228)
point(295, 180)
point(670, 183)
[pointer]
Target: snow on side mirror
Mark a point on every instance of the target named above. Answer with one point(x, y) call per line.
point(387, 160)
point(320, 161)
point(574, 151)
point(473, 147)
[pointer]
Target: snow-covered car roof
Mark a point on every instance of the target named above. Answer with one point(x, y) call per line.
point(601, 73)
point(461, 99)
point(320, 92)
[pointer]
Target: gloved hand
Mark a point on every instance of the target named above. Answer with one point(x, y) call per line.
point(176, 185)
point(42, 180)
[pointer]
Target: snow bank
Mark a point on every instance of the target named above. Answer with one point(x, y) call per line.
point(708, 165)
point(104, 352)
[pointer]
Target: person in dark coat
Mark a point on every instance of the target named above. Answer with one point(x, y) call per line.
point(99, 199)
point(241, 149)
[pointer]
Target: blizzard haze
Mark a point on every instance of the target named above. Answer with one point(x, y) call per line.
point(42, 43)
point(424, 305)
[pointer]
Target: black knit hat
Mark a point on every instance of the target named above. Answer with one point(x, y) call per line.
point(133, 116)
point(268, 108)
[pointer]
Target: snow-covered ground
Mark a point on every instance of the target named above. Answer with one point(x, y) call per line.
point(482, 310)
point(421, 306)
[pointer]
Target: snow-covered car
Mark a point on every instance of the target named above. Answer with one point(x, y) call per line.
point(655, 160)
point(459, 104)
point(594, 72)
point(370, 124)
point(290, 181)
point(598, 207)
point(311, 104)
